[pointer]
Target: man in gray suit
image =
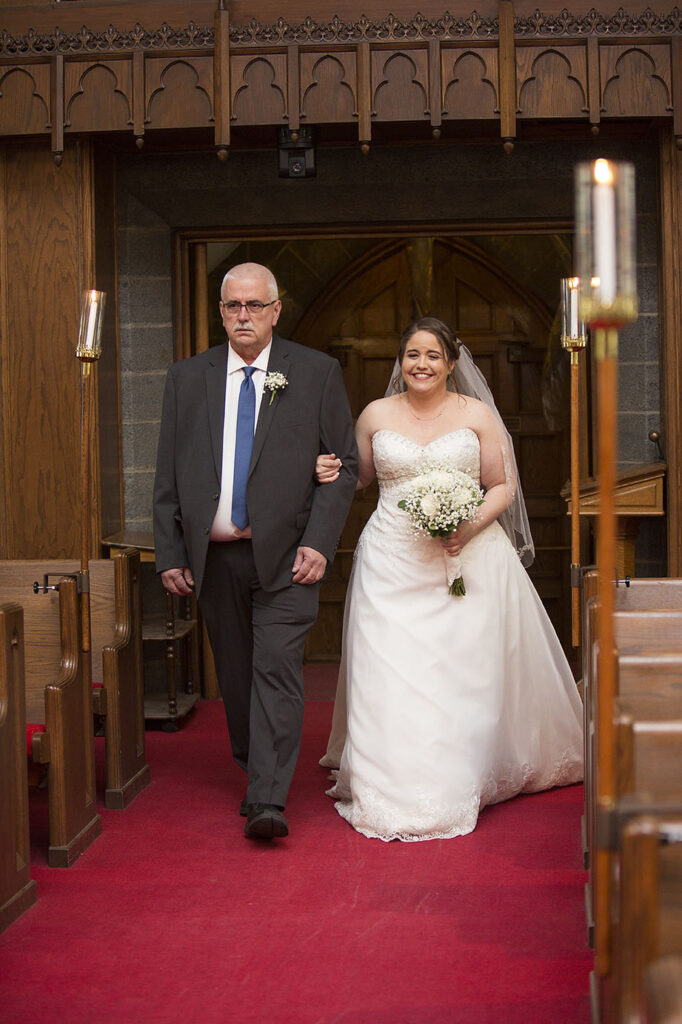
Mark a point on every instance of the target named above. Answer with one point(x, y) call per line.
point(239, 517)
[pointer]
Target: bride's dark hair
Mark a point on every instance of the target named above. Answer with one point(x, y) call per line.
point(439, 329)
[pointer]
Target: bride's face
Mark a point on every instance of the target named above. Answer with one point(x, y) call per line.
point(424, 367)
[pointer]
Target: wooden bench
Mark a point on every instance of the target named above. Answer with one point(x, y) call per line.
point(59, 699)
point(17, 890)
point(649, 747)
point(117, 666)
point(648, 781)
point(649, 924)
point(663, 990)
point(649, 646)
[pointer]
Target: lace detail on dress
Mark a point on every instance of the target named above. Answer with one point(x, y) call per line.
point(398, 460)
point(377, 818)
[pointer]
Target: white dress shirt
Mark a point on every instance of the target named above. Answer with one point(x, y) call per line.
point(223, 528)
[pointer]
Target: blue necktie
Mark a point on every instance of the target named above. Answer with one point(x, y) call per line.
point(246, 418)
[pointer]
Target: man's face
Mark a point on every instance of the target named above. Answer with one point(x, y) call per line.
point(249, 331)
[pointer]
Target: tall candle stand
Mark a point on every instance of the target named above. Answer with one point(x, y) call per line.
point(88, 351)
point(574, 340)
point(605, 251)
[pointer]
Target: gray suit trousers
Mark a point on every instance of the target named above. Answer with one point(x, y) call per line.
point(258, 642)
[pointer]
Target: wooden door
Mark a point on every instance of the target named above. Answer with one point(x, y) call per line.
point(359, 319)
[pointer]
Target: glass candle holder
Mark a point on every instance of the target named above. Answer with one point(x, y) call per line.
point(605, 242)
point(92, 311)
point(573, 333)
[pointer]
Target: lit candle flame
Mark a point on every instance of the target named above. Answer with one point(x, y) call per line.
point(603, 174)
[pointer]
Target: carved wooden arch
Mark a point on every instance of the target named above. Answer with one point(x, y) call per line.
point(93, 108)
point(24, 99)
point(532, 318)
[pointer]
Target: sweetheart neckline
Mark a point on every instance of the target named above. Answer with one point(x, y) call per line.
point(423, 447)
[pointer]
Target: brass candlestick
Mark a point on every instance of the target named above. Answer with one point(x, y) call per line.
point(605, 227)
point(574, 340)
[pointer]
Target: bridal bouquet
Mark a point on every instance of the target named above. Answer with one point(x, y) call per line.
point(438, 500)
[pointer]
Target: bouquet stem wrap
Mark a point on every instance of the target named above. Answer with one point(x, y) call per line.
point(453, 570)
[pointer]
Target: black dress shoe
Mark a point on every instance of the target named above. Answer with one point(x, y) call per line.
point(265, 821)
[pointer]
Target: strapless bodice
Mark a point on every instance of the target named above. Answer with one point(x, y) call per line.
point(398, 460)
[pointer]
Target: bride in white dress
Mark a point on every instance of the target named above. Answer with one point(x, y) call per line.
point(452, 702)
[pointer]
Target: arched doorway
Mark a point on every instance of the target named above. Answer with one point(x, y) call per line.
point(359, 317)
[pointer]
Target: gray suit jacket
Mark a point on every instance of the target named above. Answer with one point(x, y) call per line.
point(287, 508)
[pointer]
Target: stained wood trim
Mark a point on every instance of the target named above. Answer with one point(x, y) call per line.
point(593, 80)
point(395, 229)
point(671, 337)
point(200, 311)
point(676, 61)
point(57, 106)
point(435, 85)
point(508, 101)
point(138, 96)
point(293, 88)
point(364, 93)
point(221, 78)
point(5, 392)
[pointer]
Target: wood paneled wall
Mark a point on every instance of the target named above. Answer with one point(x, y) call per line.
point(236, 70)
point(47, 257)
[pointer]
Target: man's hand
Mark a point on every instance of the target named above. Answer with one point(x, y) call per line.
point(309, 566)
point(178, 581)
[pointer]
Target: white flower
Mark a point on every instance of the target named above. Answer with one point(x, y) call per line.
point(429, 505)
point(274, 382)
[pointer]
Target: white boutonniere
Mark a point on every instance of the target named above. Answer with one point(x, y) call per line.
point(275, 382)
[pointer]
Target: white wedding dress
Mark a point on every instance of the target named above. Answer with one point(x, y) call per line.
point(453, 702)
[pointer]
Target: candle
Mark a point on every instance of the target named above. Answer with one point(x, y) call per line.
point(604, 231)
point(573, 285)
point(91, 323)
point(90, 326)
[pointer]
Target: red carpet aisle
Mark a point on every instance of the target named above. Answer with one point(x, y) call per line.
point(173, 916)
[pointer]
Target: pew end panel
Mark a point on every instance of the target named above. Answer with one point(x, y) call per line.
point(74, 823)
point(663, 991)
point(117, 670)
point(17, 888)
point(650, 909)
point(123, 682)
point(58, 696)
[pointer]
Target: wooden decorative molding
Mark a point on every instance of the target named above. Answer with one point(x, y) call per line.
point(446, 28)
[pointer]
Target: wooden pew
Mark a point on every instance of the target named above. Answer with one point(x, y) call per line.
point(17, 889)
point(648, 731)
point(650, 915)
point(649, 645)
point(663, 991)
point(117, 666)
point(58, 696)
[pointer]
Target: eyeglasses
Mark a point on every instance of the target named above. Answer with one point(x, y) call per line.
point(253, 306)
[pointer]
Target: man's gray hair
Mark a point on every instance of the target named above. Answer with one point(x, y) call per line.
point(252, 270)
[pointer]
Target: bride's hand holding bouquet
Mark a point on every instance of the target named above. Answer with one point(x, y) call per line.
point(442, 502)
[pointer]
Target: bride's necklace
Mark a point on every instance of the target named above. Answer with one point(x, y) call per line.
point(425, 419)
